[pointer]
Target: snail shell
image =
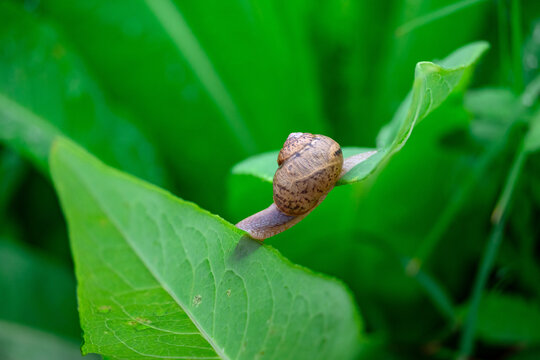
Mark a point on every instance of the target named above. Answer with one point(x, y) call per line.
point(309, 167)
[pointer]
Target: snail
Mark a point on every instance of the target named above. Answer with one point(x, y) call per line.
point(309, 168)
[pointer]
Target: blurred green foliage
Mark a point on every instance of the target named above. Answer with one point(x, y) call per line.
point(180, 105)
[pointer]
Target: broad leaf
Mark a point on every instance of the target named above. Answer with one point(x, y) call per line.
point(505, 319)
point(45, 90)
point(432, 85)
point(161, 278)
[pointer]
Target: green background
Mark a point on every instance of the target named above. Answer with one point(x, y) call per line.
point(179, 106)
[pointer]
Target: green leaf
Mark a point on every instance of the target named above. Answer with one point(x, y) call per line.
point(495, 110)
point(508, 319)
point(22, 342)
point(45, 90)
point(496, 104)
point(159, 277)
point(403, 52)
point(433, 83)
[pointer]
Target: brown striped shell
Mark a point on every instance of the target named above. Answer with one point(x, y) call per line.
point(309, 167)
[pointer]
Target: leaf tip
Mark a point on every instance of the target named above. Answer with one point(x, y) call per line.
point(426, 67)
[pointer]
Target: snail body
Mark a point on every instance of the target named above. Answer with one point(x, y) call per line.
point(309, 167)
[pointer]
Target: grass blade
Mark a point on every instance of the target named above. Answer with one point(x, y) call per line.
point(437, 294)
point(178, 29)
point(435, 15)
point(490, 254)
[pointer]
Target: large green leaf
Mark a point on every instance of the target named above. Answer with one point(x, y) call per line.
point(45, 90)
point(310, 243)
point(432, 85)
point(161, 278)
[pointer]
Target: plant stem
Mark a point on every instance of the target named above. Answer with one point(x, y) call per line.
point(531, 93)
point(435, 15)
point(517, 45)
point(432, 288)
point(504, 52)
point(511, 180)
point(435, 292)
point(467, 337)
point(490, 253)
